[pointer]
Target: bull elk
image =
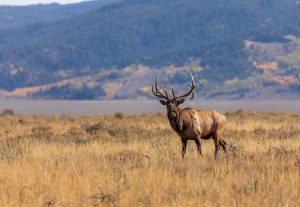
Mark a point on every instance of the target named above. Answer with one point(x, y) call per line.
point(191, 124)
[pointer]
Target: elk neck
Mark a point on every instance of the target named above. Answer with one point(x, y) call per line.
point(176, 120)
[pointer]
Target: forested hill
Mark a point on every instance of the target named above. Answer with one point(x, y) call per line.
point(154, 34)
point(13, 16)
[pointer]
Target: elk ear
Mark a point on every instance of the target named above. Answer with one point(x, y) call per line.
point(181, 101)
point(163, 102)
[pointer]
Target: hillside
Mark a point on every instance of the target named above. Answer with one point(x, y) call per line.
point(15, 16)
point(218, 41)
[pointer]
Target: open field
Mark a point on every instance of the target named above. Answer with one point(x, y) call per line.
point(104, 107)
point(135, 160)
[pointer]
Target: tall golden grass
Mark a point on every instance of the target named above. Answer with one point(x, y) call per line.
point(136, 161)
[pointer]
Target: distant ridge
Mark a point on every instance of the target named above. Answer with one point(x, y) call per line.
point(14, 16)
point(236, 49)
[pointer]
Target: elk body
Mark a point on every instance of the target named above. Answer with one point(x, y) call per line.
point(191, 124)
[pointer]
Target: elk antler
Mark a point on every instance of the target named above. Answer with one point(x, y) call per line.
point(191, 91)
point(173, 92)
point(157, 92)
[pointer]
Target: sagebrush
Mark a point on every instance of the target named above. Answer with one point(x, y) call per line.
point(135, 161)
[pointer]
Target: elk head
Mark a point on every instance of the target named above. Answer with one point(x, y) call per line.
point(172, 104)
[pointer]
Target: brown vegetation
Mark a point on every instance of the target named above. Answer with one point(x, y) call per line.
point(7, 112)
point(135, 161)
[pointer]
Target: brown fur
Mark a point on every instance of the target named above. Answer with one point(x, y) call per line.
point(192, 124)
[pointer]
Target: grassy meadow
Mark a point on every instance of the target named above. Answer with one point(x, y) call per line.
point(135, 160)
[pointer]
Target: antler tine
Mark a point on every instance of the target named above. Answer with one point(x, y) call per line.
point(192, 89)
point(156, 83)
point(157, 91)
point(173, 92)
point(165, 90)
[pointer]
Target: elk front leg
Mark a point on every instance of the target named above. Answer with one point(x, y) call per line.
point(198, 143)
point(184, 142)
point(217, 143)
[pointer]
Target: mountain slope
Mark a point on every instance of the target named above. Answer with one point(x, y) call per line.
point(15, 16)
point(154, 33)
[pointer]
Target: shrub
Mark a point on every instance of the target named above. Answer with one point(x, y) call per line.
point(129, 158)
point(76, 135)
point(93, 129)
point(42, 132)
point(11, 149)
point(119, 115)
point(7, 112)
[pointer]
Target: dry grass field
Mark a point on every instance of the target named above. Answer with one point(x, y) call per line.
point(122, 160)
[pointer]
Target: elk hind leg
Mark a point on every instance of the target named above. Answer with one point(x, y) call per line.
point(223, 145)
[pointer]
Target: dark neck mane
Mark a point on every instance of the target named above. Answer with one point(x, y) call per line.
point(176, 122)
